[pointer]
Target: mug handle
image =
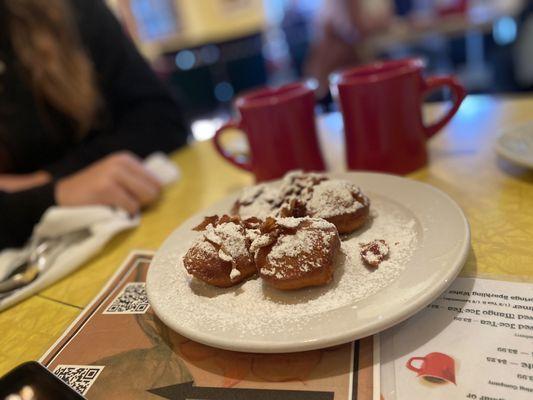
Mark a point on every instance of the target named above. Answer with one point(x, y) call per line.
point(230, 157)
point(410, 365)
point(459, 93)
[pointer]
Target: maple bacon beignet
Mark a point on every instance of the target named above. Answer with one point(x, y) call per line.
point(293, 253)
point(340, 202)
point(307, 195)
point(221, 256)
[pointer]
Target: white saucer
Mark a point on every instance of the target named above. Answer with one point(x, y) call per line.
point(516, 145)
point(438, 254)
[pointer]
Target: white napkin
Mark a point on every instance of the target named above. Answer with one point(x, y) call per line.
point(103, 222)
point(163, 169)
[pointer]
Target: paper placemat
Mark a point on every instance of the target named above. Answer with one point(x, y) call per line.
point(473, 342)
point(118, 349)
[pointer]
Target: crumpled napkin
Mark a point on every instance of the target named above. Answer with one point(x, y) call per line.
point(102, 221)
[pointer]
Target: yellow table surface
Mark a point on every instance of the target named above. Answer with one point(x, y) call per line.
point(496, 196)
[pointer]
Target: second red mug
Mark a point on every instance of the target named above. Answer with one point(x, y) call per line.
point(381, 106)
point(280, 127)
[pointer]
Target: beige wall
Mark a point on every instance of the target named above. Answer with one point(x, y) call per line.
point(201, 21)
point(218, 20)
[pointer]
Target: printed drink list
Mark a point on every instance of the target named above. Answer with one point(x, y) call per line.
point(473, 342)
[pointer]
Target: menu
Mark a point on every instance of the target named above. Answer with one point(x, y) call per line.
point(474, 342)
point(119, 349)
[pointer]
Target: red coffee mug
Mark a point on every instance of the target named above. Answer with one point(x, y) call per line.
point(280, 126)
point(437, 367)
point(381, 106)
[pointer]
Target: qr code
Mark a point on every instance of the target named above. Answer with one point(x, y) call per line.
point(78, 377)
point(132, 300)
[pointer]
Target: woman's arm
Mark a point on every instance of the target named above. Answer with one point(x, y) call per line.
point(19, 182)
point(143, 115)
point(119, 180)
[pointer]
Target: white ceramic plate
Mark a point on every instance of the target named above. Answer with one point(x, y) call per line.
point(437, 255)
point(516, 145)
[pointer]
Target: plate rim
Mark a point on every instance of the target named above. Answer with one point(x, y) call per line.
point(262, 346)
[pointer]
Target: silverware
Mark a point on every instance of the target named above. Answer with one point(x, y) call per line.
point(41, 256)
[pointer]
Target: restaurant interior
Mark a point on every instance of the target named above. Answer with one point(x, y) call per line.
point(208, 61)
point(266, 199)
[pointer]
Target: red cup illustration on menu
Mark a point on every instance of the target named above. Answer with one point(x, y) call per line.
point(434, 367)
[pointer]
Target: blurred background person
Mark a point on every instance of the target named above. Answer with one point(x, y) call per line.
point(340, 30)
point(79, 108)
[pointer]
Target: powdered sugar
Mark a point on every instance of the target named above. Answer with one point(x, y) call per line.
point(250, 193)
point(256, 307)
point(298, 245)
point(204, 249)
point(333, 197)
point(258, 201)
point(372, 258)
point(289, 222)
point(224, 257)
point(234, 273)
point(298, 183)
point(252, 234)
point(231, 239)
point(260, 241)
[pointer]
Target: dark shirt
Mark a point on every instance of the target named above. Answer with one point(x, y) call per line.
point(140, 116)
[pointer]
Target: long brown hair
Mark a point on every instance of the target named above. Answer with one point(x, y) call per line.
point(46, 42)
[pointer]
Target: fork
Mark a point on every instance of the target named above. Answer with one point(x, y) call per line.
point(39, 260)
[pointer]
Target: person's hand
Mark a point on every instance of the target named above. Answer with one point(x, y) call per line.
point(18, 182)
point(119, 180)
